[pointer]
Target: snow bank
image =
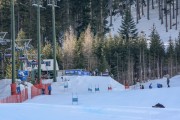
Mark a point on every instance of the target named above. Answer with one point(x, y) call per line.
point(82, 83)
point(5, 87)
point(174, 82)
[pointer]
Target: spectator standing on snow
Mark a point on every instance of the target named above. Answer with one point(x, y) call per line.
point(168, 81)
point(43, 89)
point(142, 87)
point(49, 89)
point(150, 86)
point(18, 88)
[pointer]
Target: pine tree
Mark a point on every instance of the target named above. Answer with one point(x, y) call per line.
point(99, 52)
point(177, 52)
point(128, 27)
point(5, 16)
point(170, 57)
point(156, 51)
point(78, 53)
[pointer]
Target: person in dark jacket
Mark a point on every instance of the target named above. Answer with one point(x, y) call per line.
point(49, 89)
point(150, 86)
point(18, 88)
point(142, 87)
point(168, 82)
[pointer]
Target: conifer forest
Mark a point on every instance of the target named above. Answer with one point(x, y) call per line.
point(84, 40)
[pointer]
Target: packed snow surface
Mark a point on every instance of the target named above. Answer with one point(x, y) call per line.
point(118, 104)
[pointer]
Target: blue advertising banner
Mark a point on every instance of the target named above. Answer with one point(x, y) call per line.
point(77, 72)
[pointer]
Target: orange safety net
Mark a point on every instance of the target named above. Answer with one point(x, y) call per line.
point(35, 91)
point(18, 98)
point(46, 88)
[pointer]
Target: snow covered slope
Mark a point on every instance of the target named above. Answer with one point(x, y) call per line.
point(82, 83)
point(174, 82)
point(132, 104)
point(146, 25)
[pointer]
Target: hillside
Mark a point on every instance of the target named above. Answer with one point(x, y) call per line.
point(146, 25)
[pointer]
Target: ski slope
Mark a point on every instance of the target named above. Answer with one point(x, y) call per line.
point(118, 104)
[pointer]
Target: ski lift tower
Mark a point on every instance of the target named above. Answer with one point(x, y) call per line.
point(53, 4)
point(38, 4)
point(13, 85)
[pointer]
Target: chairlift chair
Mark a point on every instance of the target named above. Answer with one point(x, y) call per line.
point(22, 58)
point(50, 2)
point(35, 2)
point(2, 40)
point(34, 63)
point(7, 54)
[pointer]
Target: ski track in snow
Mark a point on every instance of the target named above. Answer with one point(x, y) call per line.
point(118, 104)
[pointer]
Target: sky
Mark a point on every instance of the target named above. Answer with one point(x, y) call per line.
point(118, 104)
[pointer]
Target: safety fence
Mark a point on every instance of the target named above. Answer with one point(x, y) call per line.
point(39, 89)
point(16, 98)
point(23, 95)
point(35, 91)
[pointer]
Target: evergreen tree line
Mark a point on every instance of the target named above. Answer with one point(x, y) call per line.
point(81, 28)
point(130, 60)
point(75, 13)
point(79, 14)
